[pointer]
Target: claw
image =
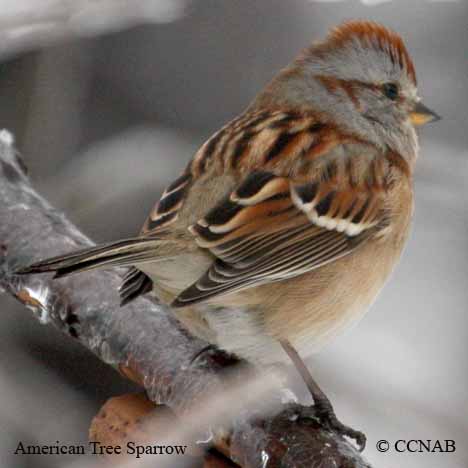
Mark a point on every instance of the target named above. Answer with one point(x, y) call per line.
point(323, 407)
point(328, 418)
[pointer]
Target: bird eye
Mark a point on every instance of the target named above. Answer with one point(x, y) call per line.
point(390, 90)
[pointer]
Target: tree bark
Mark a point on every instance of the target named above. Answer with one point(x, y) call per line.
point(146, 343)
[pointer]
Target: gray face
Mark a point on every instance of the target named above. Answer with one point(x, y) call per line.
point(360, 68)
point(368, 64)
point(385, 94)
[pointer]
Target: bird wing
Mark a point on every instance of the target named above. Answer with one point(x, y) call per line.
point(306, 196)
point(272, 228)
point(271, 140)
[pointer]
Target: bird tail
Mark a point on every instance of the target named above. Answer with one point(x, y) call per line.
point(120, 253)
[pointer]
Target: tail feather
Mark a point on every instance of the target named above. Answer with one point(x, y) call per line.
point(120, 253)
point(135, 284)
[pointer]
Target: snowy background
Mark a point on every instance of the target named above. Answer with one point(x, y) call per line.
point(109, 99)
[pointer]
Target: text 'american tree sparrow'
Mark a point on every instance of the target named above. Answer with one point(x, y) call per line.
point(286, 223)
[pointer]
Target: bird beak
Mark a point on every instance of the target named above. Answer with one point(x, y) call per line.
point(421, 115)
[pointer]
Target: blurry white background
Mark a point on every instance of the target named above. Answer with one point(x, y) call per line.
point(105, 121)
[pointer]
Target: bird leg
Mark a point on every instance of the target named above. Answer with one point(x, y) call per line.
point(322, 404)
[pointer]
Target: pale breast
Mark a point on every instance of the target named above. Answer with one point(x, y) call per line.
point(309, 310)
point(336, 298)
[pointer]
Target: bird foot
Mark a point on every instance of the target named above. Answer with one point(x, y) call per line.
point(328, 419)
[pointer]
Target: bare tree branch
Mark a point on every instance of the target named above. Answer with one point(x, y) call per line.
point(147, 344)
point(25, 25)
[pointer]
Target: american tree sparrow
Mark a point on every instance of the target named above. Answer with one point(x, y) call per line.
point(286, 223)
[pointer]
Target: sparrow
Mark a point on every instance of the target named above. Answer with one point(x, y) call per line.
point(287, 222)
